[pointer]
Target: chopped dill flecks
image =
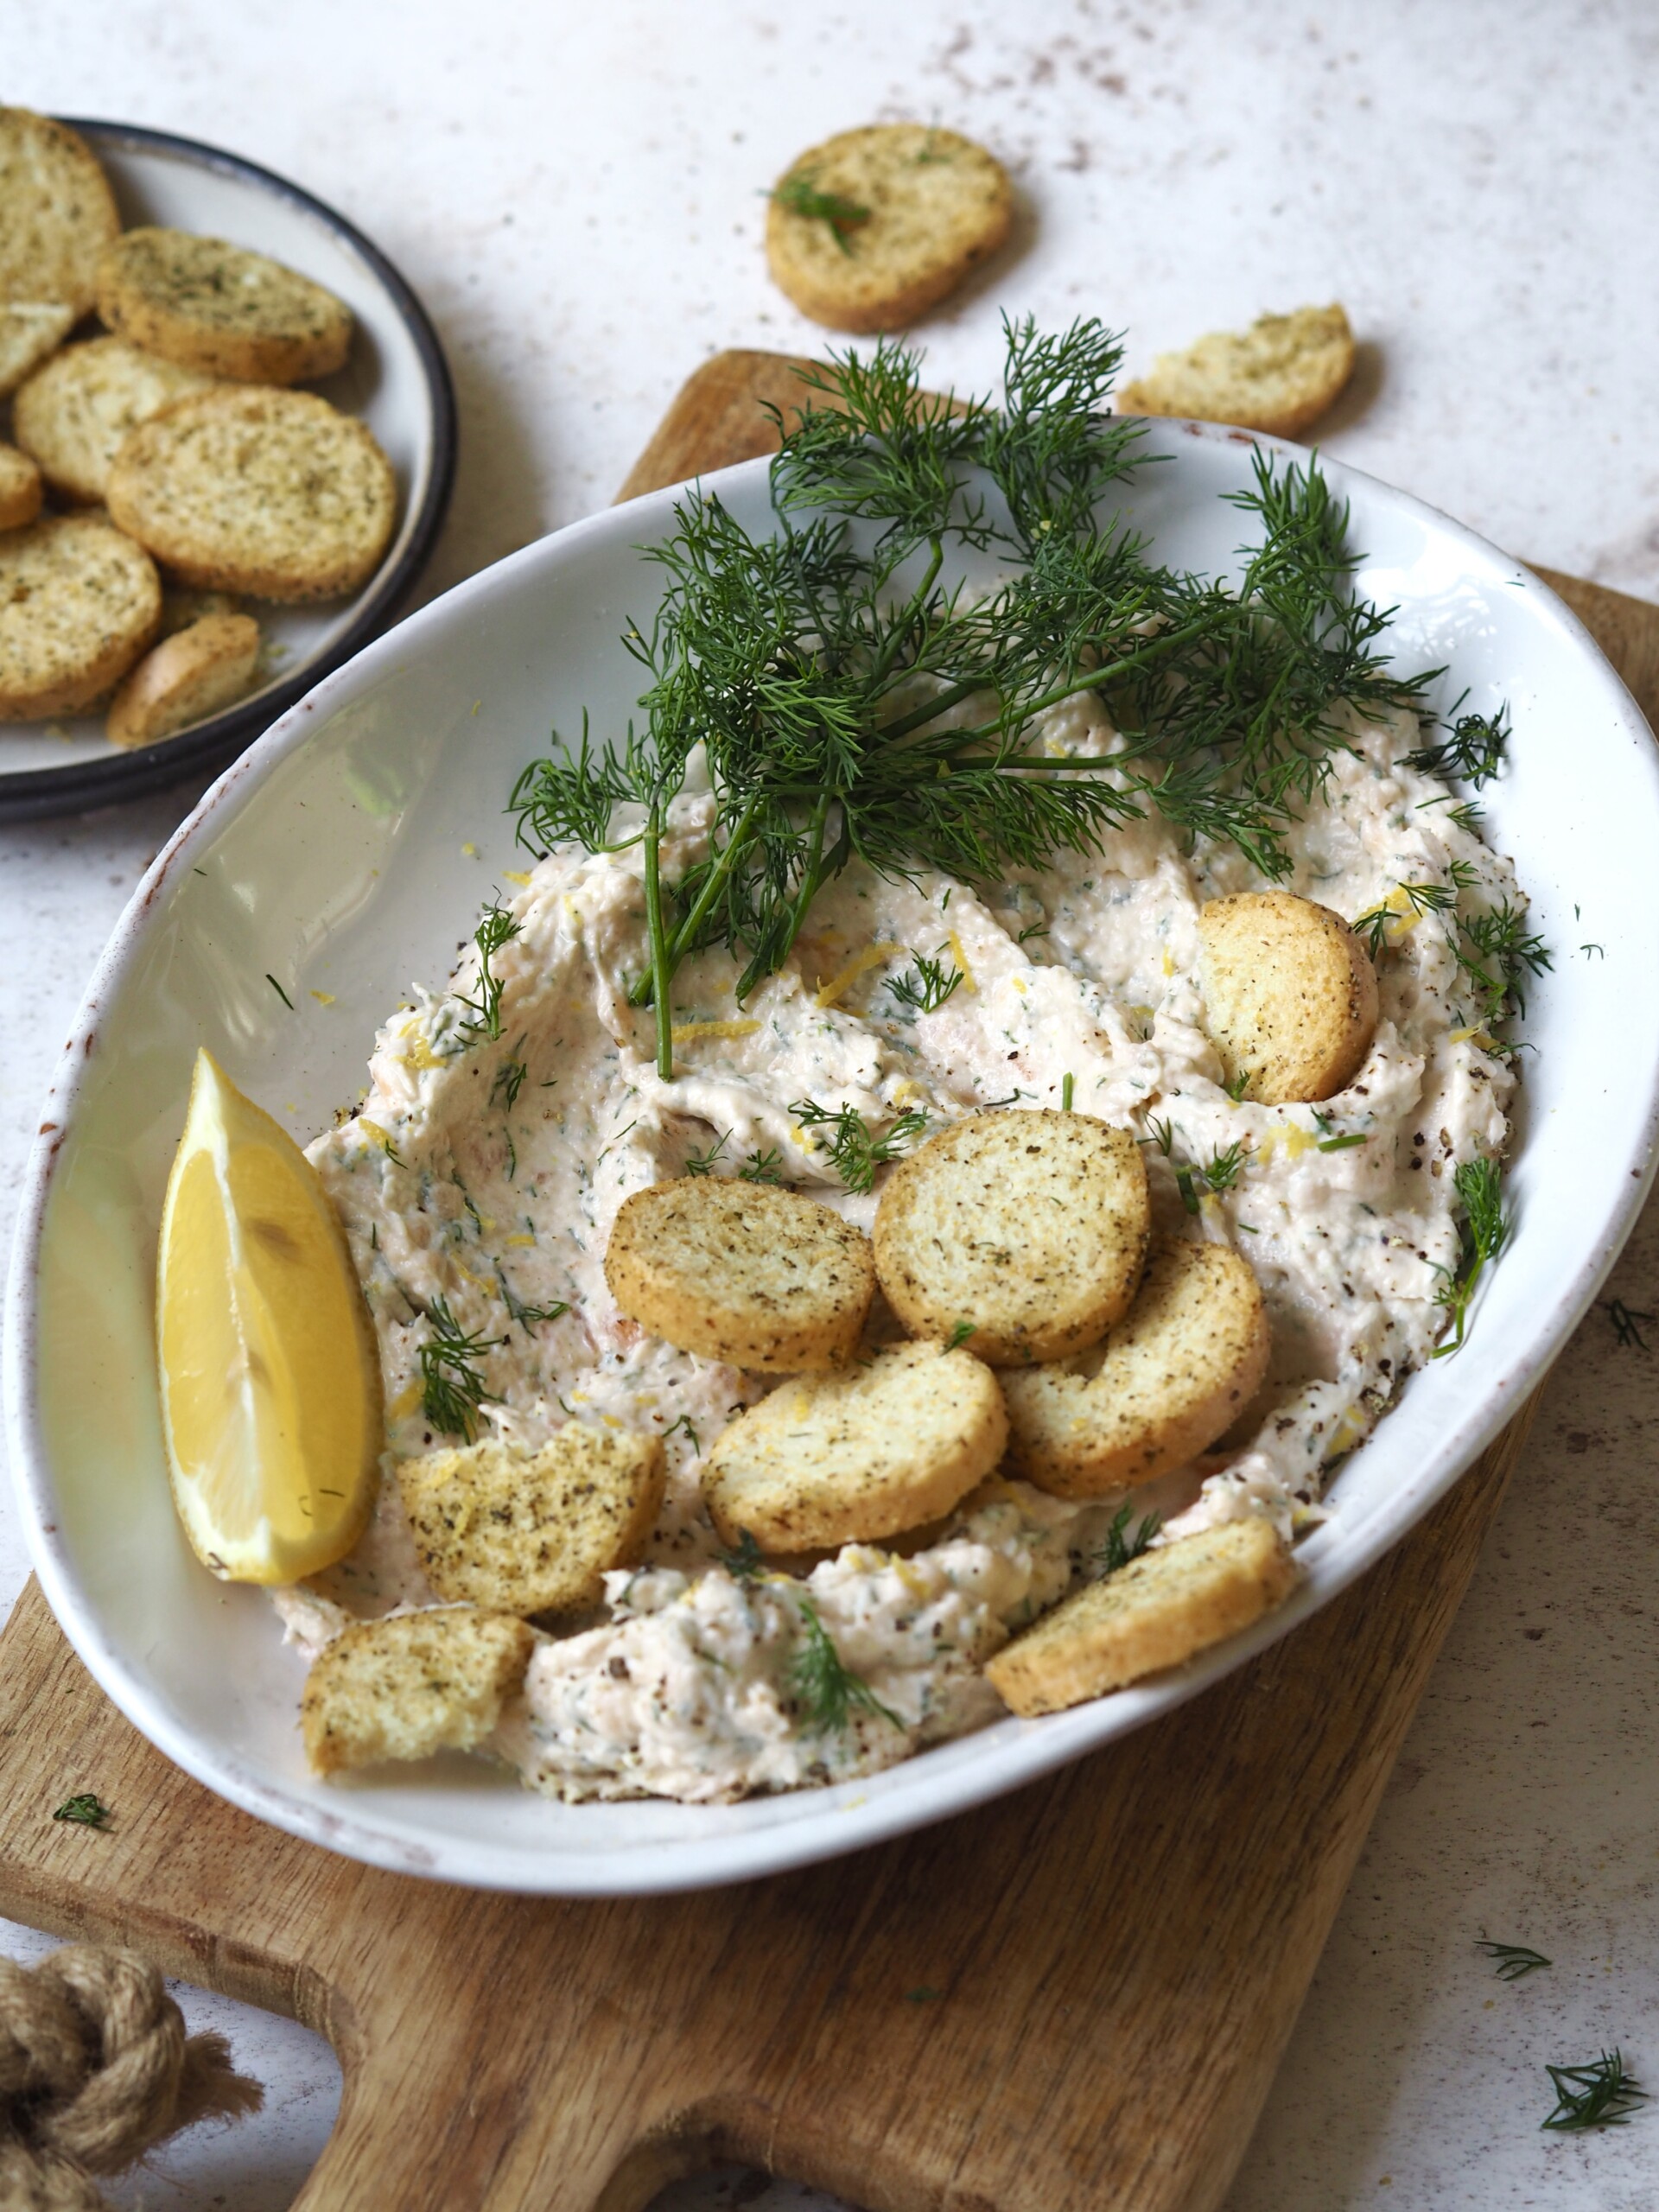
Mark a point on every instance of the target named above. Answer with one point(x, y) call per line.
point(1224, 1170)
point(926, 987)
point(765, 1166)
point(827, 1688)
point(1625, 1321)
point(1600, 2095)
point(802, 197)
point(1479, 1183)
point(1513, 1959)
point(508, 1081)
point(83, 1810)
point(704, 1163)
point(496, 929)
point(856, 1151)
point(1120, 1547)
point(452, 1390)
point(959, 1335)
point(1474, 750)
point(280, 992)
point(744, 1562)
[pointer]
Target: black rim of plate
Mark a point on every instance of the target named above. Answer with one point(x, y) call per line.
point(31, 793)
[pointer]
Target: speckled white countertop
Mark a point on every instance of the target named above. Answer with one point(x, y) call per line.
point(575, 192)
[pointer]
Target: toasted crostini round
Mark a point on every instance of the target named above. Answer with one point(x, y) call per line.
point(1289, 996)
point(534, 1532)
point(1029, 1227)
point(1161, 1609)
point(1174, 1372)
point(856, 1457)
point(762, 1278)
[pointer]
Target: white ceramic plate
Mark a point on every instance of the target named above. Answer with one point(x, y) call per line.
point(337, 856)
point(395, 381)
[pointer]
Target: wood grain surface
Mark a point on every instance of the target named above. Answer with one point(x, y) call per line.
point(1075, 1997)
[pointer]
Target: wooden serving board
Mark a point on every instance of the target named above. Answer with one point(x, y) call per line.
point(1075, 1997)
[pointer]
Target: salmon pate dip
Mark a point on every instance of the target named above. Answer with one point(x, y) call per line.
point(509, 1116)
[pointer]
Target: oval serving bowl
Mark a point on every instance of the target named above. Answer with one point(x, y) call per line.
point(396, 381)
point(348, 852)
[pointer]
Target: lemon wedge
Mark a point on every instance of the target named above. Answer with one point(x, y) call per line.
point(270, 1381)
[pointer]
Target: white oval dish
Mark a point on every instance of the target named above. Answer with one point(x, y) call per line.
point(348, 851)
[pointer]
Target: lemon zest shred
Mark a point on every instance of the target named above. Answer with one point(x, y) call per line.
point(518, 875)
point(405, 1401)
point(1354, 1424)
point(323, 998)
point(521, 1238)
point(860, 964)
point(960, 959)
point(685, 1032)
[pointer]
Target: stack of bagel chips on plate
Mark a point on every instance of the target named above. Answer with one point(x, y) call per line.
point(162, 473)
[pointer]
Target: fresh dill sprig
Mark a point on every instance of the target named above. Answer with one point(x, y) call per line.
point(452, 1390)
point(1420, 899)
point(827, 1689)
point(1492, 949)
point(704, 1163)
point(83, 1810)
point(1600, 2095)
point(960, 1332)
point(802, 197)
point(1625, 1321)
point(744, 1562)
point(850, 705)
point(1479, 1183)
point(759, 1167)
point(1513, 1959)
point(1474, 751)
point(1341, 1144)
point(926, 987)
point(496, 929)
point(1162, 1134)
point(1221, 1174)
point(856, 1151)
point(1464, 813)
point(1236, 1088)
point(1120, 1547)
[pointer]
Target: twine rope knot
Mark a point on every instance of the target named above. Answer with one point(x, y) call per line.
point(95, 2069)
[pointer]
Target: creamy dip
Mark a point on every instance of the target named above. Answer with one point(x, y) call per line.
point(487, 1172)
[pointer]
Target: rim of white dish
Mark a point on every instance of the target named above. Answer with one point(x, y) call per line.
point(658, 1866)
